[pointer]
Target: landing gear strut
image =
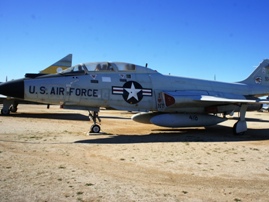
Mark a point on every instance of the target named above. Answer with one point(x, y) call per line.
point(95, 128)
point(240, 127)
point(9, 106)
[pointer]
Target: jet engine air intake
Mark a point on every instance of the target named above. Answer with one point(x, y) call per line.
point(169, 100)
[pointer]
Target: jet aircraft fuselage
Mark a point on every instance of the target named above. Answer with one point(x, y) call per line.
point(130, 87)
point(133, 89)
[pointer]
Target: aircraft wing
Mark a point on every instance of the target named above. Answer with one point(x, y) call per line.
point(205, 98)
point(227, 100)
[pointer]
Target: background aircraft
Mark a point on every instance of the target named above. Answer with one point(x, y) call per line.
point(167, 101)
point(56, 67)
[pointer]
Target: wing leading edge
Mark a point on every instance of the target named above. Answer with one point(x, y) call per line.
point(205, 98)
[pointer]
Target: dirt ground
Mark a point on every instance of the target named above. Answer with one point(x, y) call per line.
point(46, 155)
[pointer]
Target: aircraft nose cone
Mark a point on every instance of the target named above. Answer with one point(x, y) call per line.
point(13, 88)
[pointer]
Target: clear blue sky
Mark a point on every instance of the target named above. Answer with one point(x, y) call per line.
point(192, 38)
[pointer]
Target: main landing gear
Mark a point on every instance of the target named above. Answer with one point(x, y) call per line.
point(240, 127)
point(95, 128)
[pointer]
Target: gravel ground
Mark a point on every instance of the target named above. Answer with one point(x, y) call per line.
point(46, 155)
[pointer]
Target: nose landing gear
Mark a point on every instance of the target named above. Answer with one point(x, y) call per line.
point(95, 128)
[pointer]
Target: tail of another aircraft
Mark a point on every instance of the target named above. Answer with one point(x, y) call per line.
point(260, 74)
point(58, 66)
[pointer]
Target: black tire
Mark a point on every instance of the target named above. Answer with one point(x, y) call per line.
point(95, 129)
point(13, 109)
point(234, 130)
point(5, 112)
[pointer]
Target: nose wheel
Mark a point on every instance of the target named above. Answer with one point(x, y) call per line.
point(95, 128)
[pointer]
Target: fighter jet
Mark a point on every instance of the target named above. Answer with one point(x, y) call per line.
point(168, 101)
point(56, 67)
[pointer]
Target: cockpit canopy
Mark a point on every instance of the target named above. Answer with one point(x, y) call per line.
point(85, 68)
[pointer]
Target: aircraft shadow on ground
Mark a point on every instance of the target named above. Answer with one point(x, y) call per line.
point(212, 134)
point(63, 116)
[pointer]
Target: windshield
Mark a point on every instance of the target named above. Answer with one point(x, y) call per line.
point(100, 66)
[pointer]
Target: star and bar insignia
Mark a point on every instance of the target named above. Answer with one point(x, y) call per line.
point(132, 92)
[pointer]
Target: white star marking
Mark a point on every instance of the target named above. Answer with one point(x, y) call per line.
point(132, 92)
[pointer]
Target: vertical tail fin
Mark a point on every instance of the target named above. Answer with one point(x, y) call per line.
point(58, 66)
point(260, 75)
